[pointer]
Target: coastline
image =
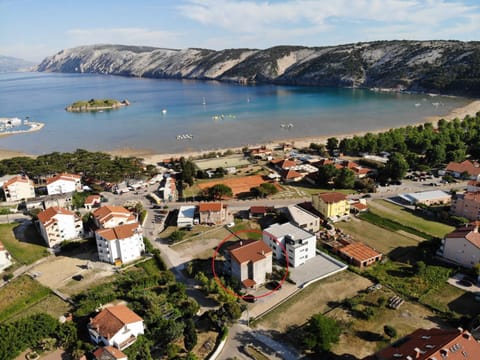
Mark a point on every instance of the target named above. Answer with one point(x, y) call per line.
point(34, 126)
point(152, 157)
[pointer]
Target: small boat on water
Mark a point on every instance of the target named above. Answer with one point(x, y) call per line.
point(164, 111)
point(204, 102)
point(184, 137)
point(286, 126)
point(417, 104)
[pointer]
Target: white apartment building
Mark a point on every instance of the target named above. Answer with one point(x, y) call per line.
point(111, 216)
point(57, 224)
point(64, 183)
point(116, 326)
point(121, 244)
point(18, 188)
point(299, 244)
point(462, 246)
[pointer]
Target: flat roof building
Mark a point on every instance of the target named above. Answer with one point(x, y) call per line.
point(427, 197)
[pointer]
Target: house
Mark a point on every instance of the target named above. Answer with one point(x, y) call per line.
point(259, 212)
point(431, 344)
point(283, 164)
point(466, 167)
point(249, 261)
point(462, 246)
point(46, 201)
point(303, 218)
point(290, 175)
point(186, 216)
point(261, 152)
point(435, 197)
point(120, 244)
point(18, 188)
point(109, 353)
point(58, 224)
point(214, 213)
point(111, 216)
point(5, 258)
point(358, 206)
point(92, 201)
point(331, 205)
point(466, 205)
point(299, 244)
point(115, 326)
point(359, 254)
point(64, 183)
point(168, 188)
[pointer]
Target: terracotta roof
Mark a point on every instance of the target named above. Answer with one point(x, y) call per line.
point(119, 232)
point(64, 176)
point(332, 197)
point(105, 213)
point(323, 162)
point(109, 352)
point(422, 344)
point(209, 207)
point(92, 199)
point(359, 251)
point(258, 209)
point(17, 178)
point(112, 319)
point(248, 283)
point(474, 238)
point(474, 196)
point(472, 168)
point(291, 174)
point(249, 250)
point(286, 164)
point(47, 215)
point(359, 206)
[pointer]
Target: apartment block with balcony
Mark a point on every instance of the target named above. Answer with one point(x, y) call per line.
point(466, 205)
point(18, 188)
point(111, 216)
point(58, 224)
point(64, 183)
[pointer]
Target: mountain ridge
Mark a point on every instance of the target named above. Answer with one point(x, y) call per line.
point(10, 63)
point(439, 66)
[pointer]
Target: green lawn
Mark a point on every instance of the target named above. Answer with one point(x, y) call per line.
point(19, 295)
point(22, 252)
point(406, 217)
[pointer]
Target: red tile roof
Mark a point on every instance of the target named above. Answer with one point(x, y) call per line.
point(291, 174)
point(422, 344)
point(92, 199)
point(64, 176)
point(109, 352)
point(258, 209)
point(105, 213)
point(472, 168)
point(359, 252)
point(474, 196)
point(17, 178)
point(332, 197)
point(248, 283)
point(359, 206)
point(112, 319)
point(119, 232)
point(249, 250)
point(202, 207)
point(47, 215)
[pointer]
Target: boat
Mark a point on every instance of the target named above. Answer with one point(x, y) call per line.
point(417, 104)
point(164, 111)
point(184, 137)
point(204, 102)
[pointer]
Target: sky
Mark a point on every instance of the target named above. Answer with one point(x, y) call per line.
point(34, 29)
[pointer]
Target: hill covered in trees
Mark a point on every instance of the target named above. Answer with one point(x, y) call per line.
point(451, 67)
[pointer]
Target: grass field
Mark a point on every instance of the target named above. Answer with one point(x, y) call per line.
point(404, 216)
point(22, 252)
point(19, 295)
point(376, 237)
point(51, 305)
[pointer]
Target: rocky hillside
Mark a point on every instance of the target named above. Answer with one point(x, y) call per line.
point(11, 64)
point(451, 67)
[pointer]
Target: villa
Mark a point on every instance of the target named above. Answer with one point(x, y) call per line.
point(92, 201)
point(331, 205)
point(120, 244)
point(64, 183)
point(116, 326)
point(58, 224)
point(18, 188)
point(111, 216)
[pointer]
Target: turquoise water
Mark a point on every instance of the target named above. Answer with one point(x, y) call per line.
point(251, 114)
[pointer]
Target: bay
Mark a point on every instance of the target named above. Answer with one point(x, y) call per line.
point(217, 115)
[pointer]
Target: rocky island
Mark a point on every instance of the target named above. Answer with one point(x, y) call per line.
point(97, 105)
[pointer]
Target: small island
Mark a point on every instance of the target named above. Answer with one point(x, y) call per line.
point(97, 105)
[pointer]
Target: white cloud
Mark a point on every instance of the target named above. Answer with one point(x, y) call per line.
point(128, 36)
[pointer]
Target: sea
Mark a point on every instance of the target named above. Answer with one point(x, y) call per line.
point(169, 115)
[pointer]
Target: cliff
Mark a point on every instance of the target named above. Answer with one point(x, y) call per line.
point(451, 67)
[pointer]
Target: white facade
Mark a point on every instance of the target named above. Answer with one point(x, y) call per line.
point(64, 183)
point(303, 218)
point(185, 216)
point(5, 258)
point(58, 224)
point(112, 216)
point(121, 244)
point(299, 244)
point(462, 247)
point(18, 188)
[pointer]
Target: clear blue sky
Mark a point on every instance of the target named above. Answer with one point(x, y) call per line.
point(33, 29)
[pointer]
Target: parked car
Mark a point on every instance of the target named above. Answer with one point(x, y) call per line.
point(249, 298)
point(274, 285)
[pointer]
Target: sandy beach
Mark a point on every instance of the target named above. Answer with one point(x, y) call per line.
point(150, 157)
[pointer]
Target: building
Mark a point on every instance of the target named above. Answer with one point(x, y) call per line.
point(258, 212)
point(64, 183)
point(109, 353)
point(466, 167)
point(214, 213)
point(168, 189)
point(18, 188)
point(466, 205)
point(249, 261)
point(462, 246)
point(121, 244)
point(473, 185)
point(291, 175)
point(5, 258)
point(432, 344)
point(435, 197)
point(111, 216)
point(46, 201)
point(186, 216)
point(92, 201)
point(359, 254)
point(58, 224)
point(331, 205)
point(116, 326)
point(261, 152)
point(299, 244)
point(303, 218)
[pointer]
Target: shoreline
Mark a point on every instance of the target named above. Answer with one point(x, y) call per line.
point(34, 126)
point(153, 157)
